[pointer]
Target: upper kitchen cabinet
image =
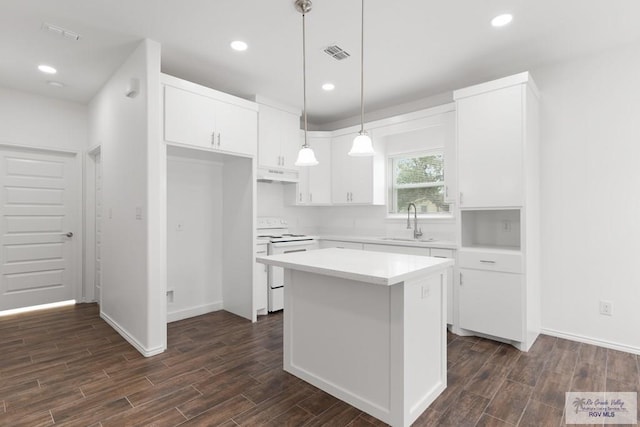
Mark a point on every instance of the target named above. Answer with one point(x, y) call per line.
point(494, 127)
point(314, 186)
point(278, 135)
point(356, 180)
point(199, 116)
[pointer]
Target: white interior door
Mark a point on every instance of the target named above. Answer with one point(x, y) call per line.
point(38, 201)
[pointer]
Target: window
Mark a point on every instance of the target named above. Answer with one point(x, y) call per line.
point(417, 178)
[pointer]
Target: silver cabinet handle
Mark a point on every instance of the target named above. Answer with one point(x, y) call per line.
point(461, 281)
point(487, 261)
point(213, 138)
point(347, 196)
point(301, 197)
point(218, 139)
point(461, 199)
point(69, 234)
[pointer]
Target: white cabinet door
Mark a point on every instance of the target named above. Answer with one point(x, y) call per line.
point(260, 282)
point(450, 158)
point(491, 303)
point(490, 159)
point(339, 244)
point(189, 118)
point(279, 138)
point(290, 139)
point(447, 253)
point(193, 119)
point(351, 177)
point(269, 137)
point(237, 129)
point(319, 177)
point(394, 249)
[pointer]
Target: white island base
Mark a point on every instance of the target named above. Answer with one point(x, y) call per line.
point(368, 328)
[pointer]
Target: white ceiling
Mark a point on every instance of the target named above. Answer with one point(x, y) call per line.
point(413, 48)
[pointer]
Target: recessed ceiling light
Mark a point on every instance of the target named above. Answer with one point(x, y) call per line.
point(55, 83)
point(502, 20)
point(239, 45)
point(328, 86)
point(47, 69)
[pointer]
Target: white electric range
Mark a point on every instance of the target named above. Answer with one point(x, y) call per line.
point(275, 231)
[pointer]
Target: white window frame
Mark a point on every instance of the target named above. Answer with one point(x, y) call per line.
point(391, 187)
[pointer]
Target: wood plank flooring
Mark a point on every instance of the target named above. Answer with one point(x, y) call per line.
point(66, 367)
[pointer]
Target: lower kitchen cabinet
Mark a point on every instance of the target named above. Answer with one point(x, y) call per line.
point(491, 302)
point(260, 282)
point(447, 253)
point(340, 244)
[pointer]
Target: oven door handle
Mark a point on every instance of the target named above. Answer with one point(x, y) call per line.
point(310, 242)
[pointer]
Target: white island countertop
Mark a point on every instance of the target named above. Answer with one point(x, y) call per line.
point(378, 268)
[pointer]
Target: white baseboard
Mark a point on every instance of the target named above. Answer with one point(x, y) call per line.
point(130, 339)
point(593, 341)
point(174, 316)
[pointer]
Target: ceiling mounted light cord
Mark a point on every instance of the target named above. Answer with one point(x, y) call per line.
point(306, 156)
point(362, 145)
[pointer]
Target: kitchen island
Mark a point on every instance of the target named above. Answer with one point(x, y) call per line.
point(367, 327)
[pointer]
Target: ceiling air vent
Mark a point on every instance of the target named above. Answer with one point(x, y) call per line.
point(336, 52)
point(59, 31)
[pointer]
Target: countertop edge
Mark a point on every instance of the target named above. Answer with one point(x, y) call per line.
point(376, 280)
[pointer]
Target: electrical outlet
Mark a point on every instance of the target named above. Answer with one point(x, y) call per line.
point(169, 297)
point(606, 308)
point(506, 226)
point(425, 291)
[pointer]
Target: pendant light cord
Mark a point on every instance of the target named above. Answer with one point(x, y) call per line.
point(362, 71)
point(304, 79)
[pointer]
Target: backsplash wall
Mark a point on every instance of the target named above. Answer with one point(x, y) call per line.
point(345, 220)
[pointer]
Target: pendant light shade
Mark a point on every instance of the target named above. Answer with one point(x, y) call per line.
point(306, 156)
point(362, 144)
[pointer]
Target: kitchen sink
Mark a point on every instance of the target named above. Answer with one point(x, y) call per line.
point(404, 239)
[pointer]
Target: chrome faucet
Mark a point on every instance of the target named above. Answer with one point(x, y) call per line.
point(417, 233)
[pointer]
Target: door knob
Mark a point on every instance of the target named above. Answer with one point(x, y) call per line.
point(69, 234)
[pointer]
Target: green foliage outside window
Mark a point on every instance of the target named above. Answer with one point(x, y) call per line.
point(419, 180)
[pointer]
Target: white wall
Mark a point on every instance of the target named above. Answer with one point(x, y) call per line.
point(590, 157)
point(38, 121)
point(127, 129)
point(194, 237)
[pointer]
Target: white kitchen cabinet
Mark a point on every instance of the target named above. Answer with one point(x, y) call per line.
point(450, 158)
point(202, 117)
point(448, 253)
point(356, 180)
point(498, 179)
point(314, 185)
point(493, 129)
point(278, 135)
point(260, 282)
point(395, 249)
point(491, 303)
point(340, 244)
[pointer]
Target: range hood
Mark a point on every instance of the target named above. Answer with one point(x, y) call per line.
point(277, 175)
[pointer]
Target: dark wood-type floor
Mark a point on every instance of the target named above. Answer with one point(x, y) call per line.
point(67, 367)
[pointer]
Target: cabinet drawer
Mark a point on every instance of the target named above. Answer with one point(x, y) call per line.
point(394, 249)
point(492, 261)
point(339, 244)
point(441, 253)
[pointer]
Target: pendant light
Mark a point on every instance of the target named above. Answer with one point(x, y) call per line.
point(306, 157)
point(362, 145)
